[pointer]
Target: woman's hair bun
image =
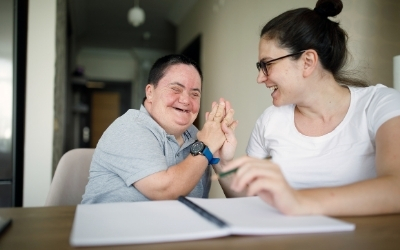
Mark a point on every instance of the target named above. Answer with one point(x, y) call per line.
point(328, 7)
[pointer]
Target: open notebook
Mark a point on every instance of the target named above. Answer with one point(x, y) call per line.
point(166, 221)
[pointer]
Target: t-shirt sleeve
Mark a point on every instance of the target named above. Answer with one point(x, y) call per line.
point(256, 146)
point(132, 151)
point(384, 105)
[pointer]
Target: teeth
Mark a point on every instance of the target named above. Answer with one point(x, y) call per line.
point(273, 88)
point(185, 111)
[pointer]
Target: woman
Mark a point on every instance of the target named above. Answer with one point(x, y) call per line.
point(334, 141)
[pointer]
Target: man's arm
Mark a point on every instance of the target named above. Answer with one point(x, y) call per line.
point(177, 180)
point(181, 178)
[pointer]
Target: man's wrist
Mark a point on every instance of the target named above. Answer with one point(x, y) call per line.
point(199, 148)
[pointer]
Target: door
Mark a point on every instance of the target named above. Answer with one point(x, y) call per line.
point(96, 105)
point(105, 108)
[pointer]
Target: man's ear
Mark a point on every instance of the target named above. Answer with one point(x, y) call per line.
point(310, 58)
point(149, 92)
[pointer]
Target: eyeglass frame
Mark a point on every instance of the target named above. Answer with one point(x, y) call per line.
point(263, 65)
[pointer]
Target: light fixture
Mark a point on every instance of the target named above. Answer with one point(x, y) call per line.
point(136, 15)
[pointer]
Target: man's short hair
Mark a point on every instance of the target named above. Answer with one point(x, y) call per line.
point(159, 68)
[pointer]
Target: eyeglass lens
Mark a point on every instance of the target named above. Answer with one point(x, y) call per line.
point(263, 65)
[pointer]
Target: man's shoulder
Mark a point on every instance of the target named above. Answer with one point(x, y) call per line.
point(132, 127)
point(192, 130)
point(138, 119)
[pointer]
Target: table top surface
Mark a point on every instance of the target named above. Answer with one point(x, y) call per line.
point(50, 228)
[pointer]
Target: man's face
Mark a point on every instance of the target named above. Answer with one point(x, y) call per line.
point(175, 102)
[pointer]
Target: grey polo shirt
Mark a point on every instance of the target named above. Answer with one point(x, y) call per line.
point(135, 146)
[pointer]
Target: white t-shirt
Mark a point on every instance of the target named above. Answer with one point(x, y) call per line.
point(343, 156)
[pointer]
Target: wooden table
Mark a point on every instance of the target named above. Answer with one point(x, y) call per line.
point(50, 228)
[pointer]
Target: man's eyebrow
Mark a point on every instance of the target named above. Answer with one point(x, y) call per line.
point(183, 86)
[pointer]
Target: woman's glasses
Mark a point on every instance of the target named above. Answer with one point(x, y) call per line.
point(264, 65)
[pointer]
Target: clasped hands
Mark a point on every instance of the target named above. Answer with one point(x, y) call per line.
point(218, 131)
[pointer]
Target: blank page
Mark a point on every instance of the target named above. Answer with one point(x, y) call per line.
point(139, 222)
point(252, 216)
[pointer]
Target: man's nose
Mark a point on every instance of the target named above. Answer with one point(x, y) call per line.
point(184, 97)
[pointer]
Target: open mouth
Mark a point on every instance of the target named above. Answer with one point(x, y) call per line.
point(182, 110)
point(273, 88)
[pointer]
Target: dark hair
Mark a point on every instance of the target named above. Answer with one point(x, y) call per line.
point(303, 28)
point(162, 64)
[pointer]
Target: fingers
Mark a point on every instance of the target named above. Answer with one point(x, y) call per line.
point(210, 115)
point(229, 133)
point(251, 169)
point(228, 119)
point(236, 163)
point(260, 185)
point(221, 111)
point(217, 112)
point(234, 125)
point(220, 114)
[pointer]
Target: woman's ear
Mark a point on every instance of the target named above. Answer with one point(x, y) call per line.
point(310, 58)
point(149, 92)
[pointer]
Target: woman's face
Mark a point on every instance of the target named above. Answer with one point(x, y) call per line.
point(284, 75)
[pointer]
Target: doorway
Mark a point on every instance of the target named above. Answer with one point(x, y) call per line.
point(96, 105)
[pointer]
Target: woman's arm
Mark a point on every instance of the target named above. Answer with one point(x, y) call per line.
point(380, 195)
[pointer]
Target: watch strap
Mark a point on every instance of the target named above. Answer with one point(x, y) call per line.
point(207, 153)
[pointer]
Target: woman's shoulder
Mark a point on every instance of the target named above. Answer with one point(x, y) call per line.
point(275, 115)
point(281, 111)
point(378, 94)
point(374, 90)
point(379, 103)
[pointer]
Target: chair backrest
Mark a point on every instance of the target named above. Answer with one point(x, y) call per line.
point(70, 178)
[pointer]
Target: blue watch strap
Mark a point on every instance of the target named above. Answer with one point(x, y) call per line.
point(207, 153)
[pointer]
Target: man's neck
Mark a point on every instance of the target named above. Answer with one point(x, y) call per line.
point(180, 140)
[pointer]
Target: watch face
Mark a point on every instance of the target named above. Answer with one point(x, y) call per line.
point(197, 147)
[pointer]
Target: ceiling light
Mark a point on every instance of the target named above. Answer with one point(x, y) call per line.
point(136, 15)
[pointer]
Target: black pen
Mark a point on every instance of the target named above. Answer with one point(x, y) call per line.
point(223, 174)
point(202, 212)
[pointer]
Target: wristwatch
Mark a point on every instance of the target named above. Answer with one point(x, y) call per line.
point(199, 148)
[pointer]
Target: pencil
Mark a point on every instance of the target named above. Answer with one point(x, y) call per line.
point(223, 174)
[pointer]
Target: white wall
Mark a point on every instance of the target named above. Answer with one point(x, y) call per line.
point(230, 34)
point(107, 64)
point(39, 101)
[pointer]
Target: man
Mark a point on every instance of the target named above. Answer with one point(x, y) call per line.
point(152, 153)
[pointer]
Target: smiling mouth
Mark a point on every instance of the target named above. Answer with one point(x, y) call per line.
point(182, 110)
point(273, 88)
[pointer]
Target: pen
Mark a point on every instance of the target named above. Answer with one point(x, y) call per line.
point(202, 212)
point(223, 174)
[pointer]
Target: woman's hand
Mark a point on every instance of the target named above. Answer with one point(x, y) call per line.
point(264, 178)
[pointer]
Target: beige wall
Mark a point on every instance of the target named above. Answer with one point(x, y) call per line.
point(39, 101)
point(230, 31)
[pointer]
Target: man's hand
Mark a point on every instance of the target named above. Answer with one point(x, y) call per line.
point(228, 125)
point(211, 134)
